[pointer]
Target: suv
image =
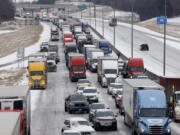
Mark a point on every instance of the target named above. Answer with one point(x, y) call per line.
point(94, 107)
point(92, 94)
point(44, 47)
point(78, 124)
point(76, 102)
point(104, 118)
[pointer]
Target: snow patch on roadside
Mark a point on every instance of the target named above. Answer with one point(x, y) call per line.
point(6, 31)
point(45, 36)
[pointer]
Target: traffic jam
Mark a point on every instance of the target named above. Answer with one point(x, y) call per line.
point(143, 103)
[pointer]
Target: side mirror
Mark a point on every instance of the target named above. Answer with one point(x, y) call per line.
point(169, 121)
point(145, 70)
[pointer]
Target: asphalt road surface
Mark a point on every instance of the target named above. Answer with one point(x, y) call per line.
point(48, 105)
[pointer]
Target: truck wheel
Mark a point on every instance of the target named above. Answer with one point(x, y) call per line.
point(96, 127)
point(65, 108)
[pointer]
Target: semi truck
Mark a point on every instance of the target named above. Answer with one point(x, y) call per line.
point(145, 107)
point(16, 99)
point(86, 47)
point(172, 89)
point(92, 58)
point(37, 75)
point(134, 67)
point(105, 46)
point(11, 123)
point(77, 67)
point(107, 70)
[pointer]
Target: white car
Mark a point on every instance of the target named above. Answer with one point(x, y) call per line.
point(116, 87)
point(92, 94)
point(71, 132)
point(79, 124)
point(80, 89)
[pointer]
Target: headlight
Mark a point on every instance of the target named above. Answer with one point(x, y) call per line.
point(168, 130)
point(141, 130)
point(71, 103)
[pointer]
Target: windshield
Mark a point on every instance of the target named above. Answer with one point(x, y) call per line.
point(110, 71)
point(153, 112)
point(137, 69)
point(78, 68)
point(94, 60)
point(90, 91)
point(117, 86)
point(98, 106)
point(104, 114)
point(36, 73)
point(85, 123)
point(77, 98)
point(83, 81)
point(177, 96)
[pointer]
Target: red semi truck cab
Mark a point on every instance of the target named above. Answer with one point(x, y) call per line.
point(135, 67)
point(77, 69)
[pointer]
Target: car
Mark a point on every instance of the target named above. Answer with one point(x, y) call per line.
point(104, 118)
point(144, 47)
point(51, 66)
point(118, 99)
point(79, 124)
point(94, 107)
point(92, 94)
point(83, 82)
point(112, 86)
point(116, 87)
point(55, 55)
point(54, 31)
point(71, 132)
point(44, 47)
point(76, 102)
point(80, 89)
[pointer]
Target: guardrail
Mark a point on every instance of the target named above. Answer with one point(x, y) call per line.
point(122, 56)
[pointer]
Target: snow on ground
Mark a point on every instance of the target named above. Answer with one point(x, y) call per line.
point(45, 36)
point(175, 20)
point(6, 31)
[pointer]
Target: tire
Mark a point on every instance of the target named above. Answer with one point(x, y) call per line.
point(115, 127)
point(69, 111)
point(65, 108)
point(96, 127)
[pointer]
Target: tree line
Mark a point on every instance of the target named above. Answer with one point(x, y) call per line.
point(145, 8)
point(7, 10)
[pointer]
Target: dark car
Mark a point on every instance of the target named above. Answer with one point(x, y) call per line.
point(44, 47)
point(144, 47)
point(104, 118)
point(76, 102)
point(94, 107)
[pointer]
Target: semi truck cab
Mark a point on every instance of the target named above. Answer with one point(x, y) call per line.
point(151, 113)
point(105, 46)
point(37, 75)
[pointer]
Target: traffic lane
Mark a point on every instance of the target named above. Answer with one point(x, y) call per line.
point(155, 55)
point(109, 101)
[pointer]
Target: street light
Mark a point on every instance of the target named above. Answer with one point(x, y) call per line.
point(132, 29)
point(90, 11)
point(102, 22)
point(164, 57)
point(114, 30)
point(95, 14)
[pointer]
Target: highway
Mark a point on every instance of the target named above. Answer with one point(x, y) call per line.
point(48, 114)
point(154, 57)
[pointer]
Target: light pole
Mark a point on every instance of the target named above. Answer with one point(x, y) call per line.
point(164, 57)
point(95, 14)
point(132, 29)
point(102, 22)
point(114, 29)
point(90, 11)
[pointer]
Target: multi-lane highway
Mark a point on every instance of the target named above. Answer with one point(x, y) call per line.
point(48, 108)
point(154, 57)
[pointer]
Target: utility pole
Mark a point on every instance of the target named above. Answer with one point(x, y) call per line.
point(132, 29)
point(114, 30)
point(90, 11)
point(95, 14)
point(165, 20)
point(102, 22)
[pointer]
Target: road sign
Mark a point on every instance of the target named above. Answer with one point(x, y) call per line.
point(82, 7)
point(162, 20)
point(20, 52)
